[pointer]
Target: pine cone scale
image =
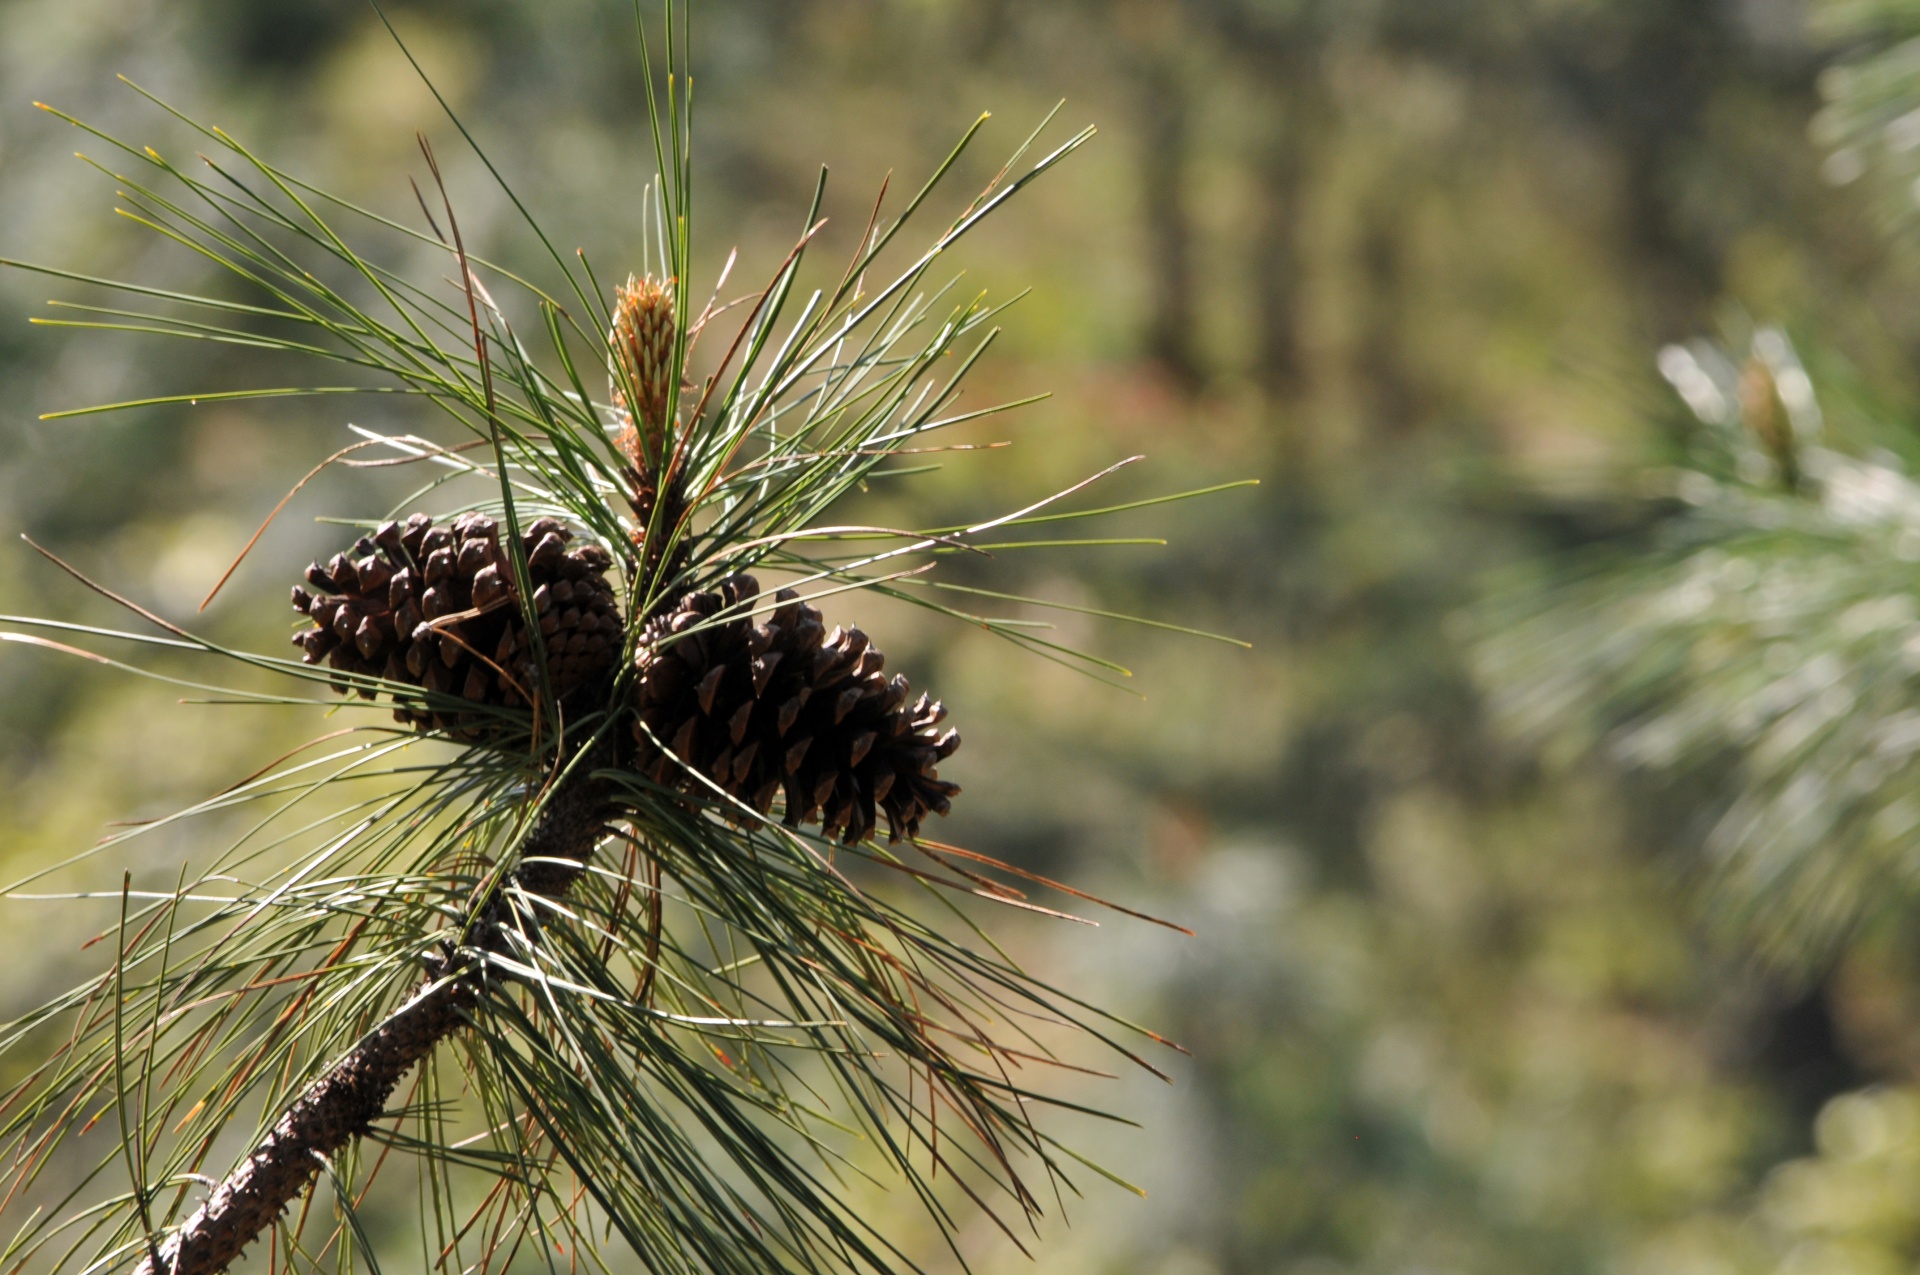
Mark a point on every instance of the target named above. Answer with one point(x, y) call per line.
point(437, 607)
point(785, 710)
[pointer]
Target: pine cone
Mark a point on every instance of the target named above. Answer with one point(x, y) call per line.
point(390, 611)
point(781, 707)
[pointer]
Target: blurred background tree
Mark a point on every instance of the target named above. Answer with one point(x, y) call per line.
point(1458, 1001)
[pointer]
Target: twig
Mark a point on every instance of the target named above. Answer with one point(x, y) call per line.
point(344, 1103)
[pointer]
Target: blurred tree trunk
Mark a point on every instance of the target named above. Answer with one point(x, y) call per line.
point(1644, 82)
point(1392, 402)
point(1279, 248)
point(1165, 142)
point(1281, 58)
point(1301, 118)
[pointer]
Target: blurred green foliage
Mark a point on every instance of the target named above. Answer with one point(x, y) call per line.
point(1454, 1004)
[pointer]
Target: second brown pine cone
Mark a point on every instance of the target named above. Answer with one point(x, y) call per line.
point(390, 611)
point(781, 708)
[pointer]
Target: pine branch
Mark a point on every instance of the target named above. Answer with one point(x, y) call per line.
point(343, 1104)
point(669, 1058)
point(1758, 640)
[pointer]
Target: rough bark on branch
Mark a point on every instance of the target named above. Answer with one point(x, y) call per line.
point(344, 1102)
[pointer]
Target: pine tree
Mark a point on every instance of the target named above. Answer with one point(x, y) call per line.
point(1760, 633)
point(623, 953)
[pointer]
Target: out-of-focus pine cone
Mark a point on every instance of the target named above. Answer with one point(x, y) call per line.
point(782, 708)
point(437, 607)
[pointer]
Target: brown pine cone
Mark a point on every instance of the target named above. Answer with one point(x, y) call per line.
point(782, 708)
point(436, 607)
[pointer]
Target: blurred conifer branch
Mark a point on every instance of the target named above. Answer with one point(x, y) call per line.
point(1765, 638)
point(643, 894)
point(1871, 120)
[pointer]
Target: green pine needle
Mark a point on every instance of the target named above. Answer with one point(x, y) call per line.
point(728, 1021)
